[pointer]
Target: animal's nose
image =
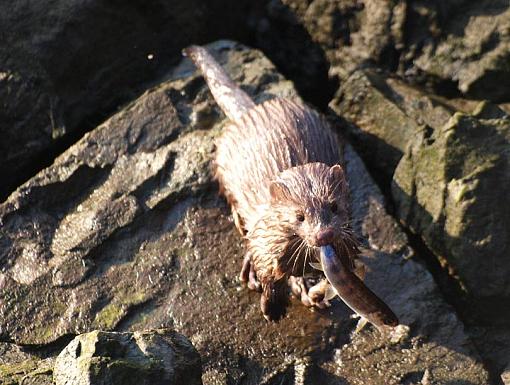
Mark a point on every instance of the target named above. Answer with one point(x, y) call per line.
point(324, 237)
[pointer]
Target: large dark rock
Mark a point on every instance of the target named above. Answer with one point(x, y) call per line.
point(447, 188)
point(155, 357)
point(65, 65)
point(125, 231)
point(471, 47)
point(374, 108)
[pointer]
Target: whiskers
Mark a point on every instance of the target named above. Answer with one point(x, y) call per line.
point(296, 247)
point(348, 242)
point(300, 253)
point(309, 251)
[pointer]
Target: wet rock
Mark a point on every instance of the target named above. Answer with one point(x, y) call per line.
point(384, 115)
point(89, 237)
point(370, 102)
point(65, 66)
point(282, 32)
point(30, 123)
point(348, 32)
point(447, 161)
point(126, 232)
point(150, 357)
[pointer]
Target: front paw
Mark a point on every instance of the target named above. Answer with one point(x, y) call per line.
point(274, 301)
point(310, 295)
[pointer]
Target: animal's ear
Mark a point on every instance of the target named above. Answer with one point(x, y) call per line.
point(337, 177)
point(336, 172)
point(278, 191)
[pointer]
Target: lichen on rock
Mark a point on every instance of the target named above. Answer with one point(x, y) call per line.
point(151, 357)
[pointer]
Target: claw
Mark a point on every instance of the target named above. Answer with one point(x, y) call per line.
point(362, 322)
point(253, 283)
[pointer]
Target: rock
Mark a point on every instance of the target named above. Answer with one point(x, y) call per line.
point(383, 115)
point(66, 66)
point(289, 41)
point(90, 237)
point(126, 232)
point(17, 367)
point(159, 357)
point(446, 188)
point(376, 123)
point(30, 124)
point(450, 46)
point(348, 32)
point(473, 50)
point(445, 158)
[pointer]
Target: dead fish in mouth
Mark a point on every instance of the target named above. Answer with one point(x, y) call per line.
point(353, 291)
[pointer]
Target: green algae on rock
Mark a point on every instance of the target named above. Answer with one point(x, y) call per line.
point(18, 367)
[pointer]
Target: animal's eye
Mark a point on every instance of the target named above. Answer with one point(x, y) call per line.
point(334, 207)
point(300, 217)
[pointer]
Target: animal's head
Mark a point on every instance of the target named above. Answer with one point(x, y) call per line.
point(311, 202)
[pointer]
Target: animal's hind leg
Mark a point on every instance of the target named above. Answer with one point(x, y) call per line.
point(310, 294)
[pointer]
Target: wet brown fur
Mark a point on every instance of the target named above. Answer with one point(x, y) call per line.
point(274, 163)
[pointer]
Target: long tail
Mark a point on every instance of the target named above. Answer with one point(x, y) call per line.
point(232, 100)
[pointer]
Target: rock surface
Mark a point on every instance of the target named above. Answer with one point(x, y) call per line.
point(453, 46)
point(158, 357)
point(19, 367)
point(376, 109)
point(66, 65)
point(57, 82)
point(473, 48)
point(448, 160)
point(125, 231)
point(446, 188)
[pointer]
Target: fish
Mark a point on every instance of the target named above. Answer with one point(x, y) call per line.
point(353, 292)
